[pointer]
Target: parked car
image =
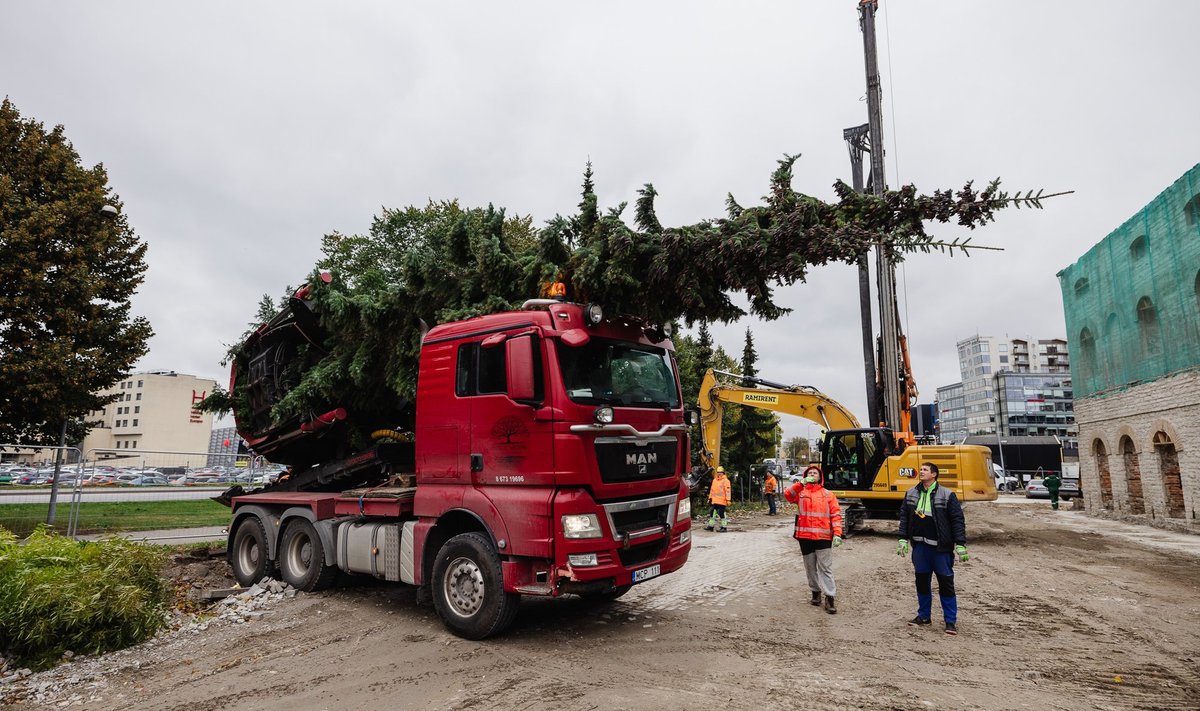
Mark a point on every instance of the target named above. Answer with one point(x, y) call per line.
point(1036, 489)
point(1069, 489)
point(146, 480)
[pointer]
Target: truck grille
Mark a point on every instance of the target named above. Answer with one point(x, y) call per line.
point(623, 459)
point(637, 555)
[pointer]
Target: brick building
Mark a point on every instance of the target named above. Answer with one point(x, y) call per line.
point(1132, 306)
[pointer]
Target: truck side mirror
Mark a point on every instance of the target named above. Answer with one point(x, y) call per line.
point(519, 367)
point(691, 416)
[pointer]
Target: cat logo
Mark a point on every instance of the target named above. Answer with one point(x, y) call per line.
point(641, 460)
point(908, 471)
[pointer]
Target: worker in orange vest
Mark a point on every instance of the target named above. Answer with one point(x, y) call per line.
point(819, 531)
point(719, 495)
point(770, 486)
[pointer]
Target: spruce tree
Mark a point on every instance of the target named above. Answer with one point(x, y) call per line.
point(67, 271)
point(751, 437)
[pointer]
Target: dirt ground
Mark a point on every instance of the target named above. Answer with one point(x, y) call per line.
point(1057, 611)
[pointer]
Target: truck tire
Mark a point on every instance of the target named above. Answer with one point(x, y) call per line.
point(249, 554)
point(302, 558)
point(468, 588)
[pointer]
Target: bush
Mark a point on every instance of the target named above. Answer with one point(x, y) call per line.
point(58, 594)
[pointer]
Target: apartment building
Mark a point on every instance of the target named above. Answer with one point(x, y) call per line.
point(1014, 386)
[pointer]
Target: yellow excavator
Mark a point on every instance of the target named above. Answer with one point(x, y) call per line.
point(868, 468)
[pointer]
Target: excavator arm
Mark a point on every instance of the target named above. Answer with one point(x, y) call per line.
point(801, 400)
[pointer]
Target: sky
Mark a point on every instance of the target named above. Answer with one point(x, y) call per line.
point(237, 134)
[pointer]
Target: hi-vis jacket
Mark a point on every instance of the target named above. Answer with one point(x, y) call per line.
point(820, 517)
point(720, 492)
point(769, 485)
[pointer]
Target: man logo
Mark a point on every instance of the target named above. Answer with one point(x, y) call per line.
point(641, 460)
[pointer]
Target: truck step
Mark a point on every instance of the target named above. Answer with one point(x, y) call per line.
point(535, 590)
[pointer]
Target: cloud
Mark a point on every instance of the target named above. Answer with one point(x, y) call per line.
point(238, 134)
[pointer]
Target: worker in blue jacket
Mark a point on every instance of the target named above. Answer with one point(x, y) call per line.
point(933, 526)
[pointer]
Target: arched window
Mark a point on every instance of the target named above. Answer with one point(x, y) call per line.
point(1133, 476)
point(1147, 318)
point(1168, 469)
point(1101, 454)
point(1137, 248)
point(1191, 210)
point(1087, 359)
point(1081, 286)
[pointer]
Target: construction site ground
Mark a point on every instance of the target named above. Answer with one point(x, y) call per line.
point(1058, 610)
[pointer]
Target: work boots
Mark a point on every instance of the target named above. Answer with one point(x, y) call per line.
point(816, 598)
point(829, 606)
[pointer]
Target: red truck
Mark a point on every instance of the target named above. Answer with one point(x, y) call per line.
point(545, 457)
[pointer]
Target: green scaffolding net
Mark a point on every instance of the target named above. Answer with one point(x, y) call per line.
point(1132, 302)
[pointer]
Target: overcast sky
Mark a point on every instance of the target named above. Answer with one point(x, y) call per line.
point(239, 133)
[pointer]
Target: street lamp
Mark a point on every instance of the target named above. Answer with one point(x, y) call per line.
point(106, 212)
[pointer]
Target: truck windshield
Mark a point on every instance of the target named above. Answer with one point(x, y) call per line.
point(618, 373)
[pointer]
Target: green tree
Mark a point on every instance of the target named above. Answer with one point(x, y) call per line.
point(751, 437)
point(69, 263)
point(445, 262)
point(798, 448)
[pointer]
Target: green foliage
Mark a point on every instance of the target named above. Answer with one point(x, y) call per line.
point(445, 262)
point(58, 594)
point(66, 276)
point(800, 449)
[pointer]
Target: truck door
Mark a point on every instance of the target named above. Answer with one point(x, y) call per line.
point(511, 435)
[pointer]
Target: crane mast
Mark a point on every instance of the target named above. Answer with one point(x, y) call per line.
point(895, 388)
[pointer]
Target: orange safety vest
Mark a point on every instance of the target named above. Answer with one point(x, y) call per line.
point(820, 516)
point(769, 485)
point(720, 492)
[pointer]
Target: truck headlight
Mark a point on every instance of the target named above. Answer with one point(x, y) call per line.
point(581, 526)
point(603, 415)
point(685, 510)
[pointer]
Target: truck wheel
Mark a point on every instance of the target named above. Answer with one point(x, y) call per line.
point(249, 553)
point(302, 558)
point(468, 588)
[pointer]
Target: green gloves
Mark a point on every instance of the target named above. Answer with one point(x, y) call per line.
point(837, 541)
point(962, 553)
point(902, 547)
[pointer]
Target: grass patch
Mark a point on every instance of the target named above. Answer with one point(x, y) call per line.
point(117, 516)
point(59, 595)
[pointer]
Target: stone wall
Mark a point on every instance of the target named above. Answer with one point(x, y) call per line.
point(1151, 431)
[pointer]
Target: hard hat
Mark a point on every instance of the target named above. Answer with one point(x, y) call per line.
point(720, 470)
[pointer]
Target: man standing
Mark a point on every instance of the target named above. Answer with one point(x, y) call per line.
point(770, 486)
point(718, 497)
point(818, 530)
point(1053, 484)
point(931, 517)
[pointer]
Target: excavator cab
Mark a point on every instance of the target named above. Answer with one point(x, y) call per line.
point(852, 458)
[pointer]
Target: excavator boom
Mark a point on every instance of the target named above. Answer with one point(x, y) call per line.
point(801, 400)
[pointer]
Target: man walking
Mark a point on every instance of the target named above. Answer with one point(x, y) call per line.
point(818, 530)
point(931, 517)
point(770, 486)
point(719, 495)
point(1052, 484)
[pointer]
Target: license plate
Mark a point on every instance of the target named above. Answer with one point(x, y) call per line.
point(646, 573)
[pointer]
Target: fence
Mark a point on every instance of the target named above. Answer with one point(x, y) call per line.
point(110, 491)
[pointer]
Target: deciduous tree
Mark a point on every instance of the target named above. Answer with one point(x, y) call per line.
point(67, 272)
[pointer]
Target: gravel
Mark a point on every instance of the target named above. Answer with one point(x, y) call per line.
point(80, 680)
